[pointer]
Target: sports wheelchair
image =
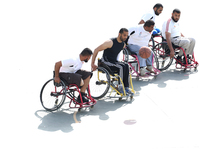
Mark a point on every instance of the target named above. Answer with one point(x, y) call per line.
point(105, 81)
point(53, 95)
point(163, 53)
point(155, 39)
point(134, 65)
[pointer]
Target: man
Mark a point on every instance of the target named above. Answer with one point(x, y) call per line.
point(157, 10)
point(70, 71)
point(172, 33)
point(140, 36)
point(111, 49)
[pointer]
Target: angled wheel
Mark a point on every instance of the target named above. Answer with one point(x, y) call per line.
point(52, 97)
point(99, 83)
point(151, 43)
point(162, 51)
point(155, 61)
point(126, 55)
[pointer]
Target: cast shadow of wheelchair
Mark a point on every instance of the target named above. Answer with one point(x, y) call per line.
point(161, 80)
point(55, 121)
point(64, 118)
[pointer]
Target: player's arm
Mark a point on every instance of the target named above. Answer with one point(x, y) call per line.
point(146, 17)
point(105, 45)
point(169, 43)
point(141, 22)
point(57, 68)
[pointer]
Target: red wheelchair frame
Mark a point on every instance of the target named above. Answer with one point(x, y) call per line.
point(135, 70)
point(70, 91)
point(161, 53)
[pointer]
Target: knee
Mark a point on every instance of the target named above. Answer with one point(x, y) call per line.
point(82, 82)
point(186, 43)
point(192, 40)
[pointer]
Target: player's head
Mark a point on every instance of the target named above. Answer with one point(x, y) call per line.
point(86, 54)
point(176, 15)
point(123, 34)
point(158, 8)
point(149, 25)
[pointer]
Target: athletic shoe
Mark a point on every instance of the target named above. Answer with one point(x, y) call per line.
point(128, 91)
point(120, 89)
point(142, 71)
point(150, 68)
point(85, 100)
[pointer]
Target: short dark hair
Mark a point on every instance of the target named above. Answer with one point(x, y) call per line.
point(86, 52)
point(158, 5)
point(122, 30)
point(149, 23)
point(177, 11)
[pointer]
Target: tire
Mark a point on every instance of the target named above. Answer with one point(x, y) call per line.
point(52, 97)
point(126, 55)
point(161, 50)
point(99, 83)
point(155, 61)
point(152, 43)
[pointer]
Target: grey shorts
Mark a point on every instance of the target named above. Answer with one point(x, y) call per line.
point(74, 78)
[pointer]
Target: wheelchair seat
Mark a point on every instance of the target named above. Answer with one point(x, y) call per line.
point(58, 84)
point(173, 45)
point(102, 64)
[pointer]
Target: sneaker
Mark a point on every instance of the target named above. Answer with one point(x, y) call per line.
point(189, 59)
point(180, 60)
point(120, 89)
point(85, 100)
point(150, 68)
point(128, 91)
point(142, 71)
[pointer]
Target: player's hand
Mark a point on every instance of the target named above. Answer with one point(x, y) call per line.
point(57, 80)
point(93, 67)
point(172, 54)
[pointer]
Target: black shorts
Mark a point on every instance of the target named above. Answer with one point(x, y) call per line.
point(74, 78)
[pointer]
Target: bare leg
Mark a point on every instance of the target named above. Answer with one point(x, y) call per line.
point(82, 82)
point(86, 83)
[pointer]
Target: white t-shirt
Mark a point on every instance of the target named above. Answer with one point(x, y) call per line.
point(171, 27)
point(149, 16)
point(141, 37)
point(71, 65)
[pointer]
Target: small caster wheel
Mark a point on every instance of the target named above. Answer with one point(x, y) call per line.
point(120, 98)
point(80, 109)
point(131, 97)
point(92, 106)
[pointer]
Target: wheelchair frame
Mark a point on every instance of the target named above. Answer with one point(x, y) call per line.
point(179, 65)
point(112, 77)
point(69, 92)
point(135, 70)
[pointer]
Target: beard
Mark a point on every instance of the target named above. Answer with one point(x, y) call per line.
point(122, 39)
point(157, 14)
point(174, 19)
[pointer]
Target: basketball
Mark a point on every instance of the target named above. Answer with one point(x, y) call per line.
point(145, 52)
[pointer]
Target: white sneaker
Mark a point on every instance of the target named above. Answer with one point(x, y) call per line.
point(142, 71)
point(150, 68)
